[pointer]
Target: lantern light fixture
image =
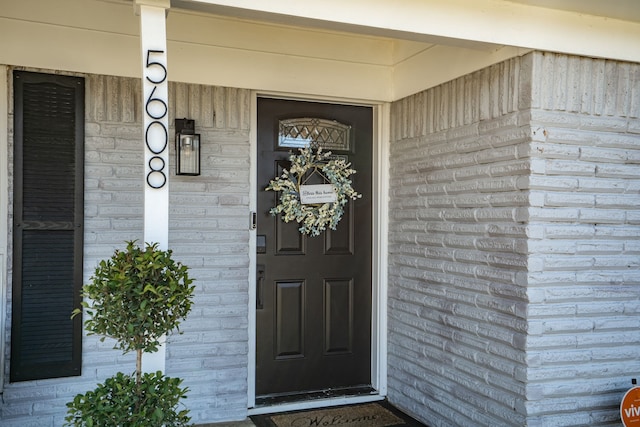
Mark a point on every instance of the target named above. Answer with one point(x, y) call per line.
point(187, 148)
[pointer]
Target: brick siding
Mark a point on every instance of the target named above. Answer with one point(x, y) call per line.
point(458, 251)
point(208, 231)
point(584, 264)
point(514, 272)
point(514, 245)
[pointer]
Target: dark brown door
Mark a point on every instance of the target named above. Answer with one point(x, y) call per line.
point(313, 293)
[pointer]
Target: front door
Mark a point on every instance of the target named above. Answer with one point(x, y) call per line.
point(313, 297)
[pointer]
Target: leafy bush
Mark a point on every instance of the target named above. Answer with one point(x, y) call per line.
point(120, 402)
point(135, 297)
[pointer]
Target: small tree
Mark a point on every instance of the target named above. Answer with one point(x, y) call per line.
point(135, 297)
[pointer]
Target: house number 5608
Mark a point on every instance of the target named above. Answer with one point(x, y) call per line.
point(156, 135)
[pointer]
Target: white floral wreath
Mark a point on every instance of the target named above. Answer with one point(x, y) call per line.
point(313, 218)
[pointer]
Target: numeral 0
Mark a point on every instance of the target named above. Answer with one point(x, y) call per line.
point(156, 137)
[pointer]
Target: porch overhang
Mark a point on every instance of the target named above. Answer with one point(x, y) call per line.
point(439, 41)
point(371, 50)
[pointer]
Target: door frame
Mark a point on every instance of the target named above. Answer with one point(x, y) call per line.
point(4, 211)
point(380, 211)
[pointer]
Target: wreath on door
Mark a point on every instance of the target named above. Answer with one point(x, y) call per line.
point(297, 202)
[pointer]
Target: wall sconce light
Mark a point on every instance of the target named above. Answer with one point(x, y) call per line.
point(187, 148)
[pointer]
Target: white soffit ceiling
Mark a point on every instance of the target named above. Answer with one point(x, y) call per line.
point(476, 24)
point(626, 10)
point(598, 28)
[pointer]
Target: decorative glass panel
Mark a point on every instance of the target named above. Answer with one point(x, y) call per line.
point(319, 133)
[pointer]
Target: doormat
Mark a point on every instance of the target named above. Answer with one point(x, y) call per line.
point(363, 415)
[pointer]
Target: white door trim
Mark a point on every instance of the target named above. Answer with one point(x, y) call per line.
point(4, 209)
point(379, 255)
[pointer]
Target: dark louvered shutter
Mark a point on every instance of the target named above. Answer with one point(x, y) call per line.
point(47, 226)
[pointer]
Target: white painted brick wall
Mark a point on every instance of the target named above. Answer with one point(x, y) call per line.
point(208, 232)
point(458, 250)
point(514, 230)
point(514, 267)
point(585, 328)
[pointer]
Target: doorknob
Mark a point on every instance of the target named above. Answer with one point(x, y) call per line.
point(259, 286)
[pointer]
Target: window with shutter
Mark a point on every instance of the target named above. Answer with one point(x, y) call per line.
point(47, 225)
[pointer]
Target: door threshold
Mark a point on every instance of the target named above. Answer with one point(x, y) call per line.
point(303, 396)
point(272, 407)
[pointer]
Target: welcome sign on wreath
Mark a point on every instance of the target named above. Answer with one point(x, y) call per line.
point(319, 206)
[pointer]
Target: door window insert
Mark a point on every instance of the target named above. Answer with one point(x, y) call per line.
point(314, 132)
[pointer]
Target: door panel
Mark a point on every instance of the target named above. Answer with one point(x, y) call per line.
point(340, 241)
point(289, 320)
point(314, 293)
point(338, 316)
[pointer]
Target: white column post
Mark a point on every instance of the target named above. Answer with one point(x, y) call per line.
point(155, 134)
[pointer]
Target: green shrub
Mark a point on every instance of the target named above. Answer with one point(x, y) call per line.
point(120, 402)
point(136, 297)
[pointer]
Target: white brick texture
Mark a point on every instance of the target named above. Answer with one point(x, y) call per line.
point(584, 325)
point(457, 309)
point(514, 271)
point(208, 231)
point(514, 280)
